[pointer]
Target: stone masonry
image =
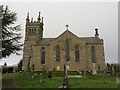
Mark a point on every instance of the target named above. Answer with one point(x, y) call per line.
point(34, 42)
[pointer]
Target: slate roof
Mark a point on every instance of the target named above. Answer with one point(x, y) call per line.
point(46, 41)
point(91, 39)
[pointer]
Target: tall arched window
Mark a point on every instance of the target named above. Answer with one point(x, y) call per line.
point(93, 55)
point(77, 57)
point(43, 55)
point(67, 50)
point(58, 54)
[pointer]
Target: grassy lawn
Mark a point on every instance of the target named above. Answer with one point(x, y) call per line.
point(105, 81)
point(25, 80)
point(30, 82)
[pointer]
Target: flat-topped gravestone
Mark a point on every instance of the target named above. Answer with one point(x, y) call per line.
point(94, 69)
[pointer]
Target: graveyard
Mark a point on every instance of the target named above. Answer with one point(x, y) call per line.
point(66, 79)
point(56, 79)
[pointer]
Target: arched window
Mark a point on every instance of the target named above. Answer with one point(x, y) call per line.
point(67, 50)
point(43, 55)
point(93, 55)
point(58, 54)
point(77, 57)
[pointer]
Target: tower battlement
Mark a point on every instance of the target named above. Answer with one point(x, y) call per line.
point(32, 22)
point(34, 29)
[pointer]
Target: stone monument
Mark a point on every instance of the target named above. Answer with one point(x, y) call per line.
point(94, 69)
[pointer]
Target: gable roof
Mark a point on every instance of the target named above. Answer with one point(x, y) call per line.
point(67, 31)
point(46, 41)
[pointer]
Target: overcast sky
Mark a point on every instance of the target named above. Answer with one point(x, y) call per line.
point(82, 18)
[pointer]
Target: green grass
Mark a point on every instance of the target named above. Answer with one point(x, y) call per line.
point(30, 82)
point(105, 81)
point(25, 80)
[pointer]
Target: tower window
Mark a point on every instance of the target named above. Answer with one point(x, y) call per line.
point(34, 31)
point(58, 54)
point(77, 54)
point(43, 55)
point(29, 31)
point(93, 54)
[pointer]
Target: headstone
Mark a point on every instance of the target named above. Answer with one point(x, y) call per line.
point(84, 73)
point(98, 70)
point(67, 67)
point(80, 72)
point(65, 75)
point(94, 69)
point(58, 68)
point(113, 70)
point(118, 79)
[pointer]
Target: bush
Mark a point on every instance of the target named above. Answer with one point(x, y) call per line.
point(7, 70)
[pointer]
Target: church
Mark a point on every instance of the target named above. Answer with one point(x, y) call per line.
point(50, 54)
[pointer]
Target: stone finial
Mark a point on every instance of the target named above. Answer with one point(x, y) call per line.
point(27, 19)
point(31, 19)
point(42, 19)
point(96, 32)
point(39, 17)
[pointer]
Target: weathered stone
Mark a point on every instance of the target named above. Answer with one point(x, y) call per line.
point(34, 42)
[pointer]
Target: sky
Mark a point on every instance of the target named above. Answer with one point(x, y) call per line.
point(82, 18)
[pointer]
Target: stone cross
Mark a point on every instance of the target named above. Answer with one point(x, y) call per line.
point(65, 75)
point(65, 70)
point(67, 26)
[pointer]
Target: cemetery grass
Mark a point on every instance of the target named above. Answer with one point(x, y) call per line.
point(104, 81)
point(25, 80)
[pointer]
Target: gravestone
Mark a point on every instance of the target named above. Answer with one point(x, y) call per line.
point(113, 70)
point(84, 74)
point(65, 75)
point(98, 70)
point(118, 78)
point(94, 69)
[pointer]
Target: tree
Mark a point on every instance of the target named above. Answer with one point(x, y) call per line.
point(10, 34)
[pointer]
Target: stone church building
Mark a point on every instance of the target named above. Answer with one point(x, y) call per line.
point(49, 54)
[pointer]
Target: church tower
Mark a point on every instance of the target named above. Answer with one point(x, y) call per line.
point(33, 33)
point(34, 29)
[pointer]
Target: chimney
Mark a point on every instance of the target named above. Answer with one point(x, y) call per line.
point(96, 32)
